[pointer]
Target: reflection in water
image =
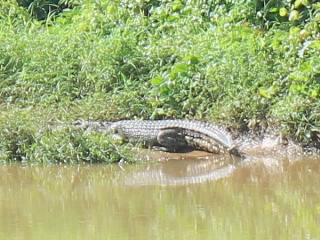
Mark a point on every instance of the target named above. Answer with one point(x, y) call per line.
point(279, 197)
point(198, 167)
point(190, 170)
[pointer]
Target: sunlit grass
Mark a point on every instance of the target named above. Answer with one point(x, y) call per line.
point(36, 135)
point(107, 60)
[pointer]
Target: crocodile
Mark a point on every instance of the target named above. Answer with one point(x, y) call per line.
point(168, 135)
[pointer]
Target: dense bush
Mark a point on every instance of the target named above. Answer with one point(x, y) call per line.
point(35, 136)
point(304, 12)
point(238, 63)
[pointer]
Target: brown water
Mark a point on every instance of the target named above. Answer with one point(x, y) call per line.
point(190, 196)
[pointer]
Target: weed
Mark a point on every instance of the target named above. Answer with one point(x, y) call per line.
point(233, 62)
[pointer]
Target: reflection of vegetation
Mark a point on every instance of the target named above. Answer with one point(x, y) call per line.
point(253, 205)
point(238, 62)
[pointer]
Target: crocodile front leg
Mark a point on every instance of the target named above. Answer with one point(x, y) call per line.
point(171, 140)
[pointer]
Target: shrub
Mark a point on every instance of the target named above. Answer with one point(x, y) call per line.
point(28, 136)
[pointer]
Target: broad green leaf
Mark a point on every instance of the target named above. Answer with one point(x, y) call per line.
point(314, 93)
point(306, 67)
point(265, 92)
point(283, 12)
point(164, 90)
point(294, 16)
point(273, 10)
point(192, 59)
point(315, 44)
point(157, 81)
point(179, 68)
point(298, 4)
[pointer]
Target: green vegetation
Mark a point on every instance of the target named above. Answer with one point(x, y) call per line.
point(233, 62)
point(29, 136)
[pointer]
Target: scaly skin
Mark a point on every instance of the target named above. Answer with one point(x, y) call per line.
point(169, 135)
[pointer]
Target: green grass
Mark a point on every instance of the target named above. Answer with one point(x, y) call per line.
point(38, 136)
point(109, 60)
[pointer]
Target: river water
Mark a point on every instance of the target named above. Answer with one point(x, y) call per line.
point(181, 196)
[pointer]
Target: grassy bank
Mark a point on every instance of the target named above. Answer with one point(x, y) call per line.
point(240, 64)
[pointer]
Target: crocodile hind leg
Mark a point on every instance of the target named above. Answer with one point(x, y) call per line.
point(170, 140)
